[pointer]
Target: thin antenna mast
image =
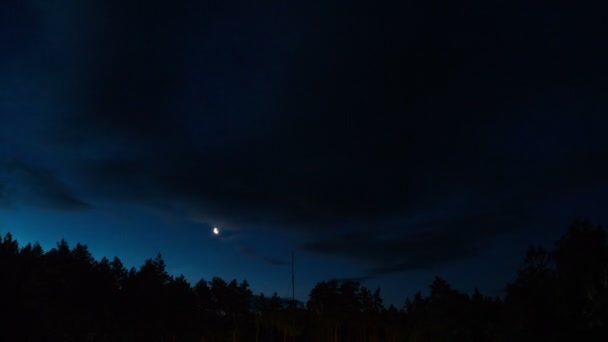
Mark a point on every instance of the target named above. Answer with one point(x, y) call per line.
point(293, 280)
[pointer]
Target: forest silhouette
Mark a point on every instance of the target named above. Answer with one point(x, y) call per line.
point(64, 294)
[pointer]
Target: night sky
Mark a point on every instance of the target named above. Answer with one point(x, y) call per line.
point(387, 143)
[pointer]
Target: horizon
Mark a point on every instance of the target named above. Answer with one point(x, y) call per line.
point(285, 297)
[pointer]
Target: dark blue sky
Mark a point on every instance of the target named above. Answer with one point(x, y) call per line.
point(385, 142)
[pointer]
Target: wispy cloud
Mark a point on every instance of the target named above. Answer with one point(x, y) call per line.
point(251, 252)
point(36, 186)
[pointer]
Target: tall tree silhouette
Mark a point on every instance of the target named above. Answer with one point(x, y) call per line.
point(531, 301)
point(324, 305)
point(11, 279)
point(581, 260)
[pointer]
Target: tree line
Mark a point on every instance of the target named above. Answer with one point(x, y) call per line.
point(64, 294)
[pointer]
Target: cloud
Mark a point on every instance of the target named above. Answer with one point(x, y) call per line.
point(276, 261)
point(368, 116)
point(251, 252)
point(35, 186)
point(354, 133)
point(359, 280)
point(400, 247)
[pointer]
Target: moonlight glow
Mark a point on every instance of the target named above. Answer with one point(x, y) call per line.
point(216, 231)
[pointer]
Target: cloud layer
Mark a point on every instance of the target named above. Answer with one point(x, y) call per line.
point(409, 135)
